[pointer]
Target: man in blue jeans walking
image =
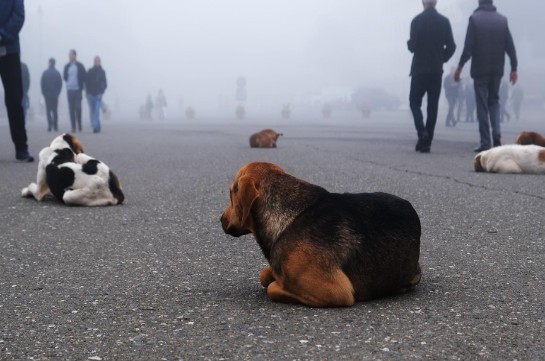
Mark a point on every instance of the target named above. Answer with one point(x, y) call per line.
point(96, 85)
point(488, 39)
point(12, 18)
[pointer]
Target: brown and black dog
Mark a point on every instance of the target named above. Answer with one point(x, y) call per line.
point(530, 138)
point(264, 139)
point(324, 249)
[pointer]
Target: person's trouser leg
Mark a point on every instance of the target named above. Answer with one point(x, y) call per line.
point(494, 107)
point(78, 99)
point(450, 114)
point(481, 97)
point(418, 89)
point(49, 113)
point(434, 94)
point(72, 108)
point(10, 72)
point(96, 112)
point(55, 111)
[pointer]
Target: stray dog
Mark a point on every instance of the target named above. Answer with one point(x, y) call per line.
point(513, 158)
point(529, 138)
point(324, 249)
point(264, 139)
point(73, 177)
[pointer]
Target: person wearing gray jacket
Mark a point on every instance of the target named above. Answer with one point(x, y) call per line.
point(488, 39)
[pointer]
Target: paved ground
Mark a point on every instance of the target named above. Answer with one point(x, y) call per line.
point(157, 279)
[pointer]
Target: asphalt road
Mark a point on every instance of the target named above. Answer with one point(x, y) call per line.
point(157, 279)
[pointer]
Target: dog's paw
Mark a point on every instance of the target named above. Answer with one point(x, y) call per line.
point(26, 193)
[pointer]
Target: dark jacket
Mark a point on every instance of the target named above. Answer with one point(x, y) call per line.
point(12, 18)
point(25, 75)
point(81, 74)
point(488, 39)
point(96, 81)
point(431, 42)
point(51, 83)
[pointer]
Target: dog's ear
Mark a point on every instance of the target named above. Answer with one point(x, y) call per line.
point(246, 193)
point(478, 164)
point(73, 142)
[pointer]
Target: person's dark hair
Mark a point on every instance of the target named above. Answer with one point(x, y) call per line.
point(52, 62)
point(74, 51)
point(486, 2)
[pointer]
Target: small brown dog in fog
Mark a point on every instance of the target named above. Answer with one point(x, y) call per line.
point(324, 249)
point(264, 139)
point(531, 138)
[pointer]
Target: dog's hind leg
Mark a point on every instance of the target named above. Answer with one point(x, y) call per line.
point(85, 197)
point(266, 277)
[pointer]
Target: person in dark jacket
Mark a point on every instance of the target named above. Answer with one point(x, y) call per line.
point(51, 85)
point(25, 76)
point(12, 18)
point(488, 39)
point(433, 45)
point(96, 85)
point(74, 76)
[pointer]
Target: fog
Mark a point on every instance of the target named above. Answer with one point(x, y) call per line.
point(290, 51)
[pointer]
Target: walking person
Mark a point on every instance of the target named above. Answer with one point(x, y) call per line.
point(12, 18)
point(51, 85)
point(25, 76)
point(433, 45)
point(74, 76)
point(452, 89)
point(488, 39)
point(96, 85)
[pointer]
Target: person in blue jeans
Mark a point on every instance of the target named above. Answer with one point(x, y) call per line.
point(96, 85)
point(488, 39)
point(12, 18)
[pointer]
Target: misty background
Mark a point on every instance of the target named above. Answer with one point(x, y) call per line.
point(303, 52)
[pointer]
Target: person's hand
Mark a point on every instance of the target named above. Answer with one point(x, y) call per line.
point(514, 77)
point(457, 74)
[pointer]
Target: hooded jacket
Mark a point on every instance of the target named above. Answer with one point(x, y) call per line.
point(488, 39)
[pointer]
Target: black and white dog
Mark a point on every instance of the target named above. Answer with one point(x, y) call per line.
point(73, 177)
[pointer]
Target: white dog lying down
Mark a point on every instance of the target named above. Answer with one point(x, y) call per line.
point(73, 177)
point(512, 159)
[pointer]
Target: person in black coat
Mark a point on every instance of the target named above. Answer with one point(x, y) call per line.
point(12, 18)
point(74, 76)
point(96, 85)
point(433, 45)
point(488, 39)
point(51, 85)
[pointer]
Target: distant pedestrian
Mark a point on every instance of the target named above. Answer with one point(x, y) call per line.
point(25, 75)
point(488, 39)
point(161, 105)
point(433, 45)
point(469, 93)
point(96, 85)
point(504, 98)
point(517, 98)
point(12, 18)
point(74, 76)
point(51, 85)
point(452, 91)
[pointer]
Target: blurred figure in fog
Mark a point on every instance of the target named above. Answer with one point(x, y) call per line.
point(51, 85)
point(286, 111)
point(488, 39)
point(96, 85)
point(433, 45)
point(469, 94)
point(25, 76)
point(326, 111)
point(74, 76)
point(190, 113)
point(161, 105)
point(504, 98)
point(240, 112)
point(517, 98)
point(452, 92)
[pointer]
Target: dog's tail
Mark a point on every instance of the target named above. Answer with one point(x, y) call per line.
point(115, 188)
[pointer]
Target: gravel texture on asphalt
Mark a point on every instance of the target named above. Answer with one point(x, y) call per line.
point(157, 279)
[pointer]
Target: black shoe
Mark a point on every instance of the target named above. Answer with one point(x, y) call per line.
point(419, 145)
point(480, 149)
point(24, 156)
point(425, 149)
point(497, 143)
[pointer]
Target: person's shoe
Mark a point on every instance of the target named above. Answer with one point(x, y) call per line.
point(419, 145)
point(425, 149)
point(497, 143)
point(73, 130)
point(24, 156)
point(480, 149)
point(49, 129)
